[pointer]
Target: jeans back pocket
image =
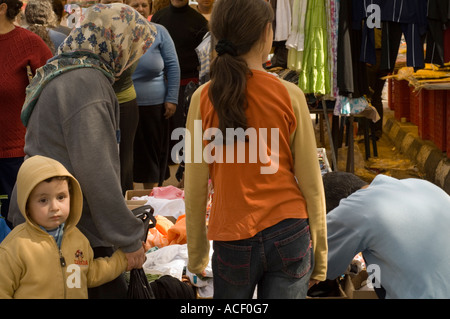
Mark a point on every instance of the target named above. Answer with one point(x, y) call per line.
point(233, 262)
point(295, 253)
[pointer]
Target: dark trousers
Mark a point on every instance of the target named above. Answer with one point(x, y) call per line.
point(129, 118)
point(177, 120)
point(116, 289)
point(391, 37)
point(374, 75)
point(9, 167)
point(435, 43)
point(151, 146)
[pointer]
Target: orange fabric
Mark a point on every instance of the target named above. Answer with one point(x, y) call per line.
point(157, 236)
point(246, 201)
point(163, 224)
point(155, 239)
point(177, 233)
point(166, 233)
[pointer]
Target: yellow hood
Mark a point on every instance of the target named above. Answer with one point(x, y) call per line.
point(39, 168)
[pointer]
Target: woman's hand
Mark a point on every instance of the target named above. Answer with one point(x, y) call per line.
point(170, 109)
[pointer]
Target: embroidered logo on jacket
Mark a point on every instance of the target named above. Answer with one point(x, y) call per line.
point(79, 258)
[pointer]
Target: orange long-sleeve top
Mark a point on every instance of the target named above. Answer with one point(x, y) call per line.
point(277, 178)
point(246, 198)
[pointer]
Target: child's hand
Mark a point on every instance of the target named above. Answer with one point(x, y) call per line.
point(202, 275)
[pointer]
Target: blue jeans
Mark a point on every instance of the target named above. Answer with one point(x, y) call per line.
point(278, 260)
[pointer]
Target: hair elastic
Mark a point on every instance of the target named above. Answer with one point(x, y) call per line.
point(225, 46)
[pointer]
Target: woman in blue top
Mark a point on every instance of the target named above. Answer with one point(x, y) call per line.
point(156, 80)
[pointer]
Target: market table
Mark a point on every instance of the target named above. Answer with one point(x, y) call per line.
point(424, 104)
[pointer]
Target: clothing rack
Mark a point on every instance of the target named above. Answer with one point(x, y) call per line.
point(329, 43)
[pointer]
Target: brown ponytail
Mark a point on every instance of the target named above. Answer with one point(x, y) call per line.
point(237, 25)
point(39, 15)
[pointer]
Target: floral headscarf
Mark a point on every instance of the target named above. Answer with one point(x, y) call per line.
point(111, 38)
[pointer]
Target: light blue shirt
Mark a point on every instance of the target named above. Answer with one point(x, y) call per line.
point(57, 38)
point(157, 75)
point(402, 227)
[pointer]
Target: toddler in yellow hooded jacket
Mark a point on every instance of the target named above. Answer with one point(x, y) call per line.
point(47, 256)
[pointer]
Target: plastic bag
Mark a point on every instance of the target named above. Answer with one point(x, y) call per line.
point(139, 287)
point(145, 214)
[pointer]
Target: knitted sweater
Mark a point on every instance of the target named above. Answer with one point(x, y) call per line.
point(18, 49)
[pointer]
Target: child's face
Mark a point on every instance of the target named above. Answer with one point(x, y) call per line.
point(49, 203)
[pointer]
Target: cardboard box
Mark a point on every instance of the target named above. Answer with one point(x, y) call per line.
point(129, 194)
point(132, 204)
point(353, 285)
point(337, 292)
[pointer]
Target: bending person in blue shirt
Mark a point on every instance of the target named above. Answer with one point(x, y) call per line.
point(401, 227)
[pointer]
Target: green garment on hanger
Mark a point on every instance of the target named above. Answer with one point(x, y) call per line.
point(315, 75)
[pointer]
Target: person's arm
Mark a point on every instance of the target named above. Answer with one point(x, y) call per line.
point(171, 66)
point(203, 28)
point(106, 269)
point(196, 191)
point(91, 142)
point(171, 70)
point(39, 55)
point(345, 241)
point(309, 177)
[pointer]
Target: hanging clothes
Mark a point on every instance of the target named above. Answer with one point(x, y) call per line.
point(314, 75)
point(332, 7)
point(407, 17)
point(294, 60)
point(281, 29)
point(351, 72)
point(273, 3)
point(283, 17)
point(437, 20)
point(296, 40)
point(362, 10)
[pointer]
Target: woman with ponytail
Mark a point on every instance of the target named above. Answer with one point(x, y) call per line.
point(267, 221)
point(41, 18)
point(19, 49)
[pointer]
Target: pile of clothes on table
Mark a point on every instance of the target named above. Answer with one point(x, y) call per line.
point(166, 248)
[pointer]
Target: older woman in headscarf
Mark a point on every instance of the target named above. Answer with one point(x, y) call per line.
point(72, 115)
